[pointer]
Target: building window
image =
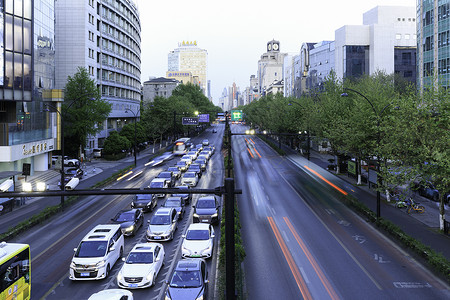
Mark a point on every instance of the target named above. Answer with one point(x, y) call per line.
point(398, 36)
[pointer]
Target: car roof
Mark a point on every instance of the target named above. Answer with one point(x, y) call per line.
point(111, 294)
point(189, 264)
point(207, 198)
point(163, 210)
point(145, 247)
point(159, 180)
point(198, 226)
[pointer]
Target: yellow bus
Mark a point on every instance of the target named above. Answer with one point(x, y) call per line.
point(15, 271)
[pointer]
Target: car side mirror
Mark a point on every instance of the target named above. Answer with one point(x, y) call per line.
point(112, 249)
point(193, 206)
point(124, 259)
point(183, 236)
point(213, 236)
point(148, 221)
point(166, 282)
point(74, 249)
point(206, 281)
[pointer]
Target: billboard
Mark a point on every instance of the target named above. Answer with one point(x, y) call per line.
point(189, 121)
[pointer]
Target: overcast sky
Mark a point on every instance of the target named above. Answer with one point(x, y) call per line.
point(235, 33)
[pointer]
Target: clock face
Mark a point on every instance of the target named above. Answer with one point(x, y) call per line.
point(269, 47)
point(275, 46)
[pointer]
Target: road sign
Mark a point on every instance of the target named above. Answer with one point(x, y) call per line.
point(203, 118)
point(190, 121)
point(236, 115)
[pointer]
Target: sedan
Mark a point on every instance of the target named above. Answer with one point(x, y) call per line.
point(205, 142)
point(168, 176)
point(198, 241)
point(185, 197)
point(195, 167)
point(182, 166)
point(202, 163)
point(112, 294)
point(206, 210)
point(146, 202)
point(187, 159)
point(207, 154)
point(177, 203)
point(189, 280)
point(129, 220)
point(189, 178)
point(141, 266)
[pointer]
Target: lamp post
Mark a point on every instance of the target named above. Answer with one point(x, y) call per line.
point(61, 185)
point(135, 117)
point(378, 116)
point(308, 137)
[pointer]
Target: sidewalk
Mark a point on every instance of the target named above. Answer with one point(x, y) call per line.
point(423, 227)
point(94, 171)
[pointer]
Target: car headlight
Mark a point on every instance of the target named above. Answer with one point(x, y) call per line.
point(132, 204)
point(131, 228)
point(72, 265)
point(214, 215)
point(100, 264)
point(149, 277)
point(119, 276)
point(207, 249)
point(195, 215)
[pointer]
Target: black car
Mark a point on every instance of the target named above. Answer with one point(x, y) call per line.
point(129, 220)
point(206, 210)
point(168, 175)
point(202, 163)
point(186, 197)
point(189, 280)
point(70, 173)
point(195, 167)
point(177, 203)
point(428, 190)
point(146, 202)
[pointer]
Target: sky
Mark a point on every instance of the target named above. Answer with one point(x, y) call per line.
point(235, 33)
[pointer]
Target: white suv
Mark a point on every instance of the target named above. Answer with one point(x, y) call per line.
point(97, 253)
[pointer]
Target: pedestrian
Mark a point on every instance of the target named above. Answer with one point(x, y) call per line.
point(93, 170)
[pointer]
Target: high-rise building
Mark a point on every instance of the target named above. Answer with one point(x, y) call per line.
point(433, 41)
point(105, 38)
point(27, 64)
point(190, 58)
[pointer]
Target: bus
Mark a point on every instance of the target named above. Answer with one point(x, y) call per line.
point(15, 271)
point(181, 146)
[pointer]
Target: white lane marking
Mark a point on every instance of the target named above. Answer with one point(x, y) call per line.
point(411, 285)
point(359, 238)
point(380, 260)
point(330, 211)
point(343, 223)
point(304, 275)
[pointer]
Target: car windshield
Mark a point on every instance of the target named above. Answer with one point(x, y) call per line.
point(140, 258)
point(189, 175)
point(206, 203)
point(160, 220)
point(186, 157)
point(92, 249)
point(71, 172)
point(186, 279)
point(173, 169)
point(197, 235)
point(202, 157)
point(172, 203)
point(164, 175)
point(156, 185)
point(124, 217)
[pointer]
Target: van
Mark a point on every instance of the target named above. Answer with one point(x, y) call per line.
point(97, 253)
point(97, 152)
point(159, 183)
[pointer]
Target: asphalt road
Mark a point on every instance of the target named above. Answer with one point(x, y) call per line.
point(301, 242)
point(52, 243)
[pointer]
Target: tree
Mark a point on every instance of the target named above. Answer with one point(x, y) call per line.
point(115, 144)
point(82, 110)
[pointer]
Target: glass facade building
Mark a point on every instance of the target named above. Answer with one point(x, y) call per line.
point(27, 69)
point(433, 32)
point(356, 61)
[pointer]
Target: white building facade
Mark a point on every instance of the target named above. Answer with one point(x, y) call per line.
point(189, 57)
point(103, 36)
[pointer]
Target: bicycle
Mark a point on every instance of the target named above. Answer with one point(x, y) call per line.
point(414, 206)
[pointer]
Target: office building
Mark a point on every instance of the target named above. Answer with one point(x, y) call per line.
point(103, 36)
point(188, 57)
point(270, 66)
point(158, 87)
point(27, 63)
point(387, 33)
point(433, 45)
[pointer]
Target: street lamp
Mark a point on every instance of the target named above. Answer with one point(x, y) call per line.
point(308, 136)
point(59, 111)
point(135, 117)
point(378, 115)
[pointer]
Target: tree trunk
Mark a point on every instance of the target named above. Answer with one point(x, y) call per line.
point(441, 211)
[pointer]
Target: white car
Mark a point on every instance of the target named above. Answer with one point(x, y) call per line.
point(198, 241)
point(189, 178)
point(205, 142)
point(112, 294)
point(141, 266)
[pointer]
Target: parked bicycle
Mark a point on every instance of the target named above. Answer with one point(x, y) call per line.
point(414, 206)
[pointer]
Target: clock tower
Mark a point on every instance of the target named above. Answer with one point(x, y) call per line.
point(273, 46)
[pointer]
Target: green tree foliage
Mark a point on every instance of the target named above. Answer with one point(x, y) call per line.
point(82, 110)
point(128, 132)
point(115, 143)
